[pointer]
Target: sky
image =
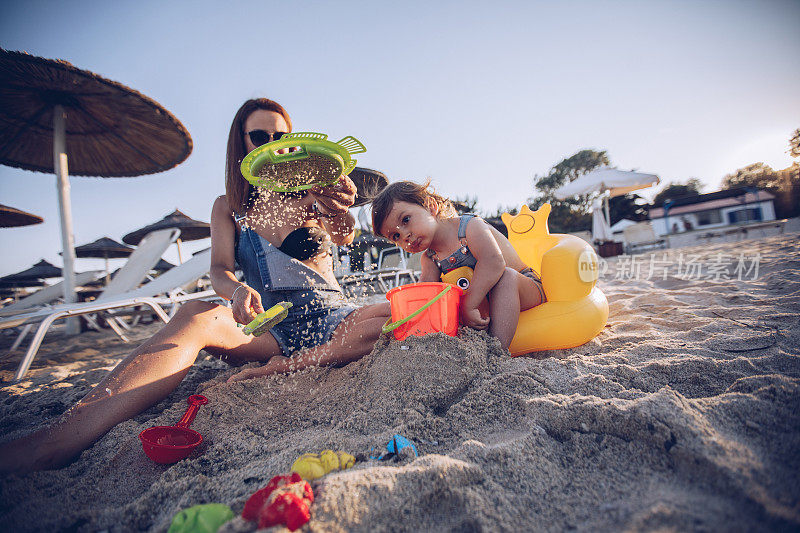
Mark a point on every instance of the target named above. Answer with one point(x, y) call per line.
point(478, 96)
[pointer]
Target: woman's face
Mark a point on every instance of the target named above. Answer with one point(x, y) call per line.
point(262, 119)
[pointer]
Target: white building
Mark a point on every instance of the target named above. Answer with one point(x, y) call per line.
point(714, 210)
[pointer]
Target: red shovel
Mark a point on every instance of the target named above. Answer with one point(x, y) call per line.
point(170, 444)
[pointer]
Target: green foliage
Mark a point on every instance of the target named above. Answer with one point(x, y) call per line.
point(572, 214)
point(794, 144)
point(571, 168)
point(756, 175)
point(565, 217)
point(630, 206)
point(678, 190)
point(784, 185)
point(468, 204)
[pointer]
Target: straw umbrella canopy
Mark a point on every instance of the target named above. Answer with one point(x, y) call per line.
point(39, 271)
point(163, 266)
point(191, 229)
point(11, 217)
point(112, 131)
point(104, 248)
point(368, 183)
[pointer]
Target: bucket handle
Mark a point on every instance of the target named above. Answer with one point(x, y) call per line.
point(391, 326)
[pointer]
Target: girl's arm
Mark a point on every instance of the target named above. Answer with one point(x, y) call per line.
point(490, 266)
point(430, 272)
point(245, 301)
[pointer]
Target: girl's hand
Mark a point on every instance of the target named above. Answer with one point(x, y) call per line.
point(246, 304)
point(472, 317)
point(335, 199)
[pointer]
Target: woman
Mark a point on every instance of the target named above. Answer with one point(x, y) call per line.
point(280, 241)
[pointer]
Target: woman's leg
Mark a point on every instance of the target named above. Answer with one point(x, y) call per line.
point(142, 379)
point(351, 340)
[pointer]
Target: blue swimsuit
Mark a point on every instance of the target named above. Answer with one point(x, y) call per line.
point(317, 306)
point(463, 257)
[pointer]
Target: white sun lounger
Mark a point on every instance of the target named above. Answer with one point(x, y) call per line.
point(48, 295)
point(163, 291)
point(139, 263)
point(113, 297)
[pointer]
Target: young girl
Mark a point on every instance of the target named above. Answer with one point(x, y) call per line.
point(417, 219)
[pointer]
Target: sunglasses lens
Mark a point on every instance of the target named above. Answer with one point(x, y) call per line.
point(261, 137)
point(258, 137)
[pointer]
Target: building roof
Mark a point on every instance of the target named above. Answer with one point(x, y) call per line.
point(714, 200)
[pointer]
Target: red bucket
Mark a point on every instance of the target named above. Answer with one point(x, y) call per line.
point(422, 308)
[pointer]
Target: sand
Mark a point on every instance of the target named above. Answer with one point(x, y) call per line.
point(683, 415)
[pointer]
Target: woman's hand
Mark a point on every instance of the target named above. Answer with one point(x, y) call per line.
point(334, 199)
point(471, 317)
point(246, 304)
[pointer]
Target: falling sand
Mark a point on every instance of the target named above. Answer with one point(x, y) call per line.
point(684, 414)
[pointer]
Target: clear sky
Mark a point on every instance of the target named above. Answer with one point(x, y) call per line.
point(478, 96)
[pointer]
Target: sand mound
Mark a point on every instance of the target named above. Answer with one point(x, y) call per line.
point(682, 415)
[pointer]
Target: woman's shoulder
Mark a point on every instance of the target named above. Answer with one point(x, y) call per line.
point(221, 208)
point(221, 203)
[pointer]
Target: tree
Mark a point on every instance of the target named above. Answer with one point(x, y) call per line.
point(630, 206)
point(794, 144)
point(468, 204)
point(571, 214)
point(756, 175)
point(678, 190)
point(784, 185)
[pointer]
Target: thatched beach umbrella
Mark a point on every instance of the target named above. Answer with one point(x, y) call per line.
point(368, 183)
point(39, 271)
point(104, 248)
point(162, 266)
point(11, 217)
point(111, 130)
point(191, 230)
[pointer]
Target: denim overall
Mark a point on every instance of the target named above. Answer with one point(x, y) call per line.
point(317, 306)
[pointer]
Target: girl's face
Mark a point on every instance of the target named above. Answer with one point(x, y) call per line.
point(410, 226)
point(265, 121)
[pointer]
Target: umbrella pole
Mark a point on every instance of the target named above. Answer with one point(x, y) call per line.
point(65, 210)
point(178, 244)
point(608, 215)
point(106, 258)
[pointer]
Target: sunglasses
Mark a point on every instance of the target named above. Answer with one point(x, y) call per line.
point(261, 137)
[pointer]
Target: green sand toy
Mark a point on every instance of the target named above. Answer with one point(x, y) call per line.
point(267, 319)
point(314, 161)
point(206, 518)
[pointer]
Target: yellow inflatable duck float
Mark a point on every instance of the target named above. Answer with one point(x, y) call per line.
point(576, 310)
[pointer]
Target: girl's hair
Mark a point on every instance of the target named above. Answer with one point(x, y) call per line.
point(237, 189)
point(412, 193)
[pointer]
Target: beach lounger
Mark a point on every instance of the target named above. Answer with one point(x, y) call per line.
point(48, 295)
point(128, 277)
point(164, 291)
point(641, 236)
point(392, 268)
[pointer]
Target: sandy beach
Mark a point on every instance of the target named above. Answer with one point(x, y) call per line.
point(683, 415)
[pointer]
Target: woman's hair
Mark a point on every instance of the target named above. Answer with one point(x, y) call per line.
point(237, 189)
point(412, 193)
